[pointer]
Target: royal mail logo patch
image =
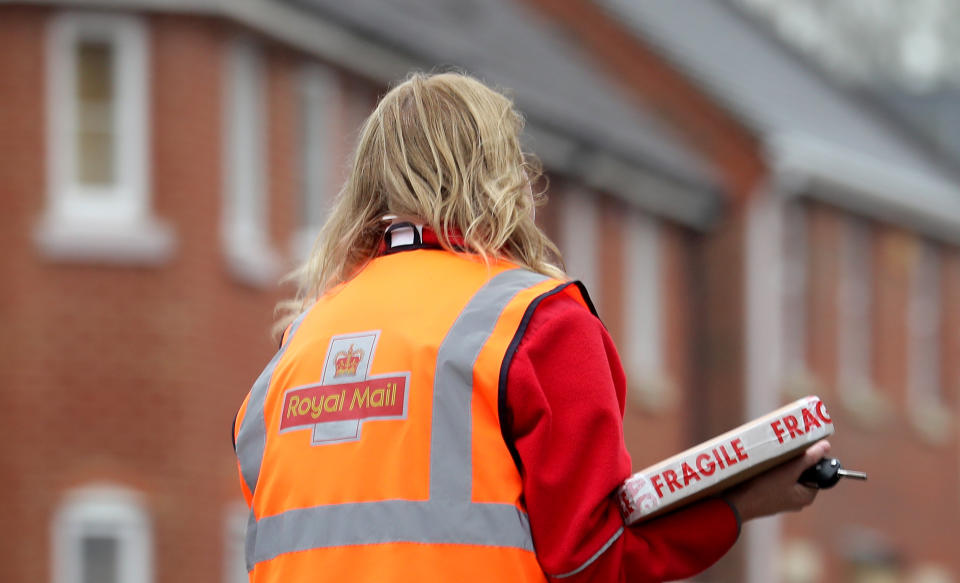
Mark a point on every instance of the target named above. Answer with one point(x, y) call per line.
point(347, 396)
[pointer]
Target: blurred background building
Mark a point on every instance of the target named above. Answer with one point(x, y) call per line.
point(751, 227)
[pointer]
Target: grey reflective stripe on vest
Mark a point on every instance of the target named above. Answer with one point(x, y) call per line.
point(432, 521)
point(449, 516)
point(451, 466)
point(252, 436)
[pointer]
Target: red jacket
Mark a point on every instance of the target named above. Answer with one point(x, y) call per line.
point(565, 399)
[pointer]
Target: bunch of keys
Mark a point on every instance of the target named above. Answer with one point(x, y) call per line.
point(826, 473)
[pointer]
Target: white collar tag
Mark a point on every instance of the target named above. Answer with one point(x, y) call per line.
point(405, 234)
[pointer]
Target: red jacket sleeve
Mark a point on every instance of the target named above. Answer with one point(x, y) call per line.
point(565, 395)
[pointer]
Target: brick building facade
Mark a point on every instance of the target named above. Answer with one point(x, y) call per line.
point(133, 334)
point(833, 273)
point(155, 174)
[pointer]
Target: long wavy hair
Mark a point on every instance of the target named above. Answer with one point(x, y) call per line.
point(443, 150)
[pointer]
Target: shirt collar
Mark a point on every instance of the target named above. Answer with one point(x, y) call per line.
point(407, 236)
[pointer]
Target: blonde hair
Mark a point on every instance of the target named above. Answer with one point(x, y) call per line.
point(444, 150)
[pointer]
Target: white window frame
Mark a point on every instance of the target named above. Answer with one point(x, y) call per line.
point(923, 325)
point(103, 510)
point(798, 379)
point(855, 298)
point(925, 383)
point(245, 219)
point(320, 105)
point(234, 539)
point(796, 288)
point(111, 223)
point(855, 324)
point(644, 335)
point(579, 236)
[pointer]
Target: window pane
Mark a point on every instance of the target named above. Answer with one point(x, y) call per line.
point(579, 236)
point(99, 559)
point(924, 327)
point(246, 181)
point(95, 110)
point(795, 289)
point(316, 132)
point(856, 305)
point(643, 348)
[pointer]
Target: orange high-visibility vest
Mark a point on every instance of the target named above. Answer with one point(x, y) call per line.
point(370, 447)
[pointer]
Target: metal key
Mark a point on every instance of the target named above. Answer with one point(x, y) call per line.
point(862, 476)
point(826, 473)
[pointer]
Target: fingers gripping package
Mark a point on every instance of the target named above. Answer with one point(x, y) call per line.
point(725, 460)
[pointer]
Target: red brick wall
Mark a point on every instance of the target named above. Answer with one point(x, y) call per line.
point(611, 254)
point(733, 149)
point(548, 214)
point(718, 389)
point(894, 249)
point(656, 433)
point(651, 433)
point(680, 325)
point(23, 556)
point(950, 329)
point(283, 117)
point(912, 500)
point(131, 374)
point(824, 228)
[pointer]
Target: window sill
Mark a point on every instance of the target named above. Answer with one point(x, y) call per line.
point(866, 405)
point(143, 241)
point(253, 263)
point(302, 243)
point(653, 393)
point(932, 422)
point(801, 383)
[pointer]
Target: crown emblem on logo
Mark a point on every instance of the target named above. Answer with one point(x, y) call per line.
point(347, 361)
